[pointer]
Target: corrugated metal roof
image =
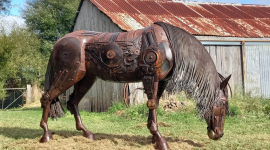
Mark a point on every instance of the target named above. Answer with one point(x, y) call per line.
point(198, 18)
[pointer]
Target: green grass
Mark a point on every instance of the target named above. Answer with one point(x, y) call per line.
point(247, 128)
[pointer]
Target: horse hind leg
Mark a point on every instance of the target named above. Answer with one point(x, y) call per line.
point(80, 89)
point(154, 92)
point(57, 86)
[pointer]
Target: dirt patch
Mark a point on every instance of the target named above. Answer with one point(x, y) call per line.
point(160, 124)
point(120, 112)
point(65, 141)
point(174, 105)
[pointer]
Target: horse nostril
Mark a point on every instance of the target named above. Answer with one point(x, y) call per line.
point(221, 135)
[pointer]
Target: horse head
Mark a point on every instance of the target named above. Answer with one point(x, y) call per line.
point(217, 118)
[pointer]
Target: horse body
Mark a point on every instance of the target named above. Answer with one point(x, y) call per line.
point(153, 55)
point(117, 57)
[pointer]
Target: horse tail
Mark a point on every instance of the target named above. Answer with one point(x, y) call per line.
point(56, 109)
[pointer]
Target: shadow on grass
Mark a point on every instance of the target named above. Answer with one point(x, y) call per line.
point(24, 108)
point(23, 133)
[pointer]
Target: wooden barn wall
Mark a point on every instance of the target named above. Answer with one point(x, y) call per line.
point(100, 97)
point(228, 60)
point(257, 76)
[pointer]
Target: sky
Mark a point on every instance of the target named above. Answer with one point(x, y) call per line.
point(16, 5)
point(14, 17)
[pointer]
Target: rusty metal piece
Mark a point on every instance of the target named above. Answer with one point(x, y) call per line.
point(110, 54)
point(151, 104)
point(151, 57)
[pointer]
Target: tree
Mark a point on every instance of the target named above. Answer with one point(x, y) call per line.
point(20, 57)
point(4, 5)
point(50, 19)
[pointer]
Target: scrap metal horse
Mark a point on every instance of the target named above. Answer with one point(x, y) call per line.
point(161, 56)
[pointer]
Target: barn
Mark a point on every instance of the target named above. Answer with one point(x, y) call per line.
point(237, 36)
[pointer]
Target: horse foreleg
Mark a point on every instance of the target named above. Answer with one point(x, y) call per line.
point(151, 89)
point(157, 138)
point(80, 89)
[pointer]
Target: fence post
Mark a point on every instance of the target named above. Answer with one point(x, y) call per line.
point(28, 94)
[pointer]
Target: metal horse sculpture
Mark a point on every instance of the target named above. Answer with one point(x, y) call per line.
point(161, 56)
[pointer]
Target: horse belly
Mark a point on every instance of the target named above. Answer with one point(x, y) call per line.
point(109, 75)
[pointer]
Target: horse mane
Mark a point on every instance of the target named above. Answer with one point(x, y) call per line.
point(193, 71)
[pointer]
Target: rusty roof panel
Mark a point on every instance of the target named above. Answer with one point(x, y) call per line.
point(253, 11)
point(108, 6)
point(202, 11)
point(213, 10)
point(258, 26)
point(126, 7)
point(173, 20)
point(237, 13)
point(198, 18)
point(179, 9)
point(265, 9)
point(148, 7)
point(230, 11)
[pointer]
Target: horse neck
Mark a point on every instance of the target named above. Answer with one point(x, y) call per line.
point(194, 69)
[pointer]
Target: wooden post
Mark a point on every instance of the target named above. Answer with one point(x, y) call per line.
point(28, 94)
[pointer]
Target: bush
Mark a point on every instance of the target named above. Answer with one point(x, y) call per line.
point(234, 110)
point(249, 105)
point(117, 106)
point(133, 112)
point(267, 109)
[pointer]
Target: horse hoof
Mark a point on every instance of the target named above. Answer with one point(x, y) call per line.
point(89, 135)
point(46, 137)
point(162, 144)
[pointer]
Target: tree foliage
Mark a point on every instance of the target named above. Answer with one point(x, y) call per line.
point(4, 6)
point(50, 19)
point(20, 57)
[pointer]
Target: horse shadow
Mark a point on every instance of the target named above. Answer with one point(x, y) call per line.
point(24, 133)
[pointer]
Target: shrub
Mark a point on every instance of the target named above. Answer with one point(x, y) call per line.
point(234, 110)
point(117, 106)
point(267, 109)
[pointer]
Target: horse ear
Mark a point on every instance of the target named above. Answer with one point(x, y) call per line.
point(224, 83)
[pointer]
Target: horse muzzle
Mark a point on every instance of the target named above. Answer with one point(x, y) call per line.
point(214, 136)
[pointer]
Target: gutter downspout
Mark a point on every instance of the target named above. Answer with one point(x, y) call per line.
point(243, 57)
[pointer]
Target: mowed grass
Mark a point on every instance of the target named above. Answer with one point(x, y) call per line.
point(125, 128)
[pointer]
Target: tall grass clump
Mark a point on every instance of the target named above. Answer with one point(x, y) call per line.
point(246, 105)
point(117, 106)
point(133, 111)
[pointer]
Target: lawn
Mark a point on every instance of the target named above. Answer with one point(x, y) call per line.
point(126, 129)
